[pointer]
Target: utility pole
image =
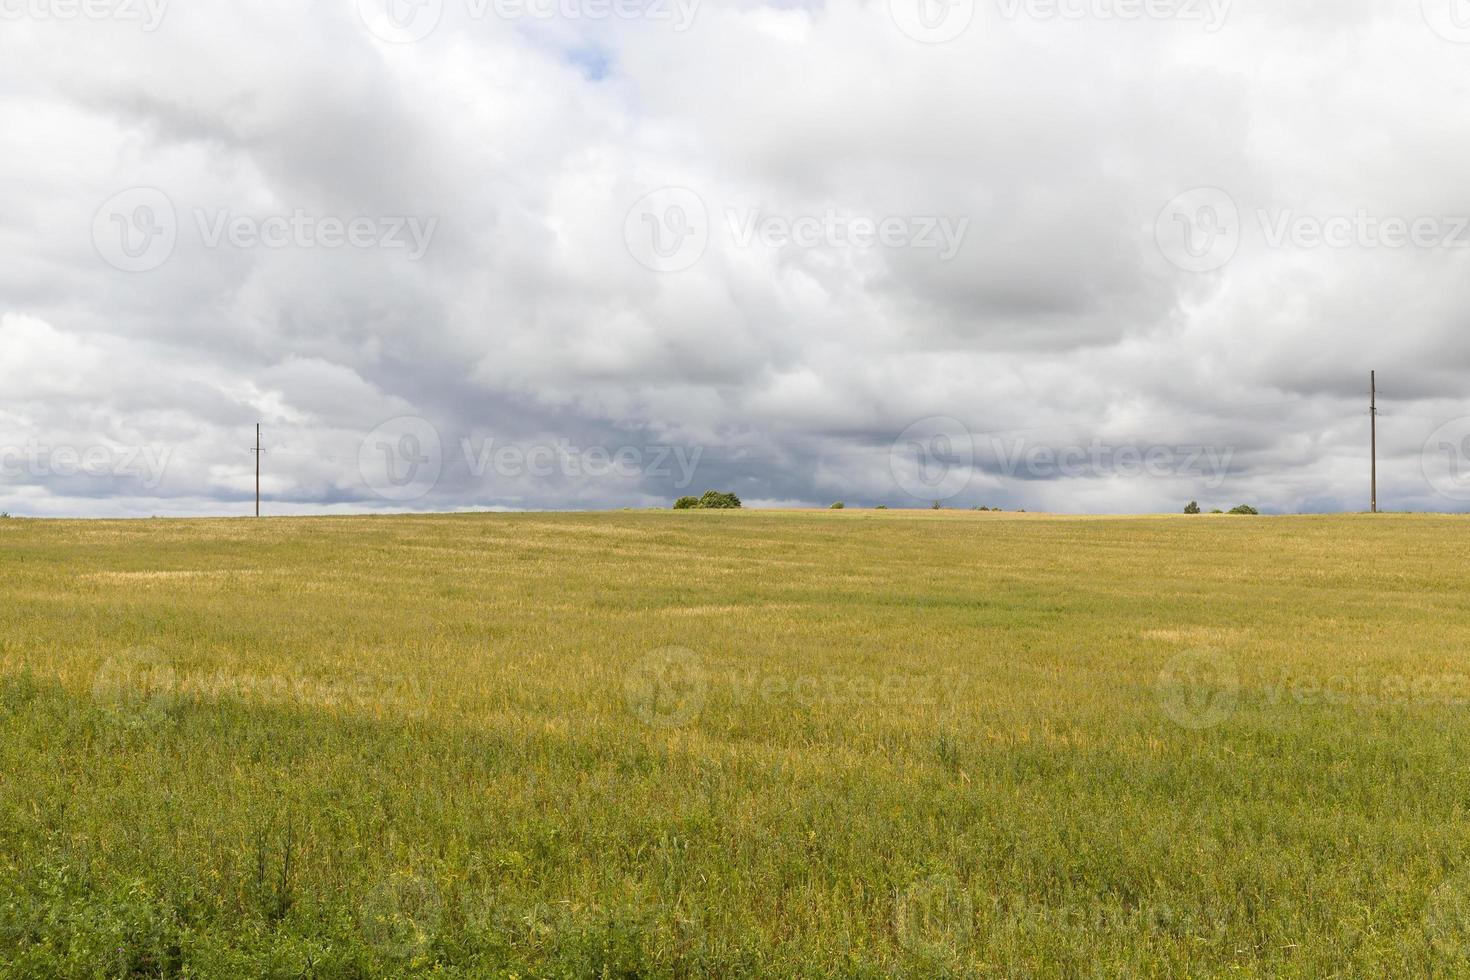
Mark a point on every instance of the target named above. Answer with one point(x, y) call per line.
point(1373, 413)
point(257, 469)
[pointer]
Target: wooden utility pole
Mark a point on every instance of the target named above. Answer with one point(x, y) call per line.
point(1373, 413)
point(257, 469)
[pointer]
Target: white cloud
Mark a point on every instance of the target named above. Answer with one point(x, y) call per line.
point(792, 368)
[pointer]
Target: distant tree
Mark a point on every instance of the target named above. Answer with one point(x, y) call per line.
point(1193, 507)
point(715, 500)
point(1217, 511)
point(1244, 509)
point(936, 506)
point(712, 500)
point(881, 507)
point(838, 506)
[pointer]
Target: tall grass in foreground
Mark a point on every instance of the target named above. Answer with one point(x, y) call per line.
point(725, 744)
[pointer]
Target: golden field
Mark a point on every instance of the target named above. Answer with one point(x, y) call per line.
point(631, 744)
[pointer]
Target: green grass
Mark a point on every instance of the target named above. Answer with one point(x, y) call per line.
point(735, 744)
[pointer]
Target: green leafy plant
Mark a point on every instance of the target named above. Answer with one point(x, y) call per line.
point(715, 500)
point(712, 500)
point(1192, 508)
point(1244, 509)
point(838, 506)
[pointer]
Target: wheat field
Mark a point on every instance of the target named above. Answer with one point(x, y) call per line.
point(654, 744)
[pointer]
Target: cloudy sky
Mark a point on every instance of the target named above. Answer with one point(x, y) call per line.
point(1069, 255)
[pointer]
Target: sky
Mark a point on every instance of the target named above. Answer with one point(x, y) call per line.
point(1082, 256)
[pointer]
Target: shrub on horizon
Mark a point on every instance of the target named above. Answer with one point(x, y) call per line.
point(715, 500)
point(712, 500)
point(1245, 509)
point(1193, 507)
